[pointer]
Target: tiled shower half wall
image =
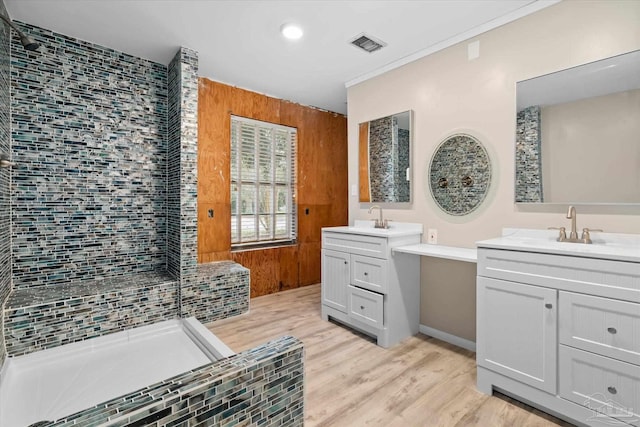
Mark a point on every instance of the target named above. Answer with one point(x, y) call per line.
point(89, 127)
point(5, 148)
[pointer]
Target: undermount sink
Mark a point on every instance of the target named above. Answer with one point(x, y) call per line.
point(605, 245)
point(367, 228)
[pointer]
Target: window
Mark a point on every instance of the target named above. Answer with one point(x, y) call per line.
point(262, 183)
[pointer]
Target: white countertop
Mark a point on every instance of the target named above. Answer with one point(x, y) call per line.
point(439, 251)
point(621, 247)
point(396, 229)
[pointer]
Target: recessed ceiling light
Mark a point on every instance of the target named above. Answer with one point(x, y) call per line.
point(291, 31)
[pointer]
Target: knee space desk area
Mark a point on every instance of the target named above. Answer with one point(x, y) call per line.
point(370, 285)
point(439, 251)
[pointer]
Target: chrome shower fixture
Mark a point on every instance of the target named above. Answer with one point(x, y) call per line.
point(27, 42)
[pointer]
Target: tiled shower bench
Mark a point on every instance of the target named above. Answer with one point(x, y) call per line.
point(217, 290)
point(49, 316)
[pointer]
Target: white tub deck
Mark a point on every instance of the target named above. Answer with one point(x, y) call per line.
point(52, 384)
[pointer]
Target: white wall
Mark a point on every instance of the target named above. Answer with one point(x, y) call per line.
point(450, 94)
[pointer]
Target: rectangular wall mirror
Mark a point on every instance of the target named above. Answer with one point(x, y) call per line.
point(578, 134)
point(384, 160)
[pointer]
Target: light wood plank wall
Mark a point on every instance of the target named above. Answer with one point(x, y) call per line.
point(321, 175)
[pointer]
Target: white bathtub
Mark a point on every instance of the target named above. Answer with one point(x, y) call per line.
point(52, 384)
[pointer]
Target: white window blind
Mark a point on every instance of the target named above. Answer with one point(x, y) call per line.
point(263, 207)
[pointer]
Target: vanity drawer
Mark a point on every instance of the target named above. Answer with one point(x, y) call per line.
point(613, 279)
point(366, 307)
point(600, 383)
point(369, 273)
point(601, 325)
point(355, 244)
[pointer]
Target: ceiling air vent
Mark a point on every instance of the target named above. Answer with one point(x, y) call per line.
point(368, 43)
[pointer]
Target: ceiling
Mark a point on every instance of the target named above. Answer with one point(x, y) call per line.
point(239, 42)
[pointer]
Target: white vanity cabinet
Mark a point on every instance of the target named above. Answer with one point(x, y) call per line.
point(519, 331)
point(561, 331)
point(368, 287)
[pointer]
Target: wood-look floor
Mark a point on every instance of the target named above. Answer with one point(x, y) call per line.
point(351, 382)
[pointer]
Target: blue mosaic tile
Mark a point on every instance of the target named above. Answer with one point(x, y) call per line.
point(388, 161)
point(89, 138)
point(528, 186)
point(49, 316)
point(5, 173)
point(218, 290)
point(459, 174)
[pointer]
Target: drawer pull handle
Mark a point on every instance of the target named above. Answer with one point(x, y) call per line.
point(366, 274)
point(548, 305)
point(345, 263)
point(612, 330)
point(612, 390)
point(362, 307)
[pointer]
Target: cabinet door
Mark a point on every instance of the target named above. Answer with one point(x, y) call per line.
point(517, 333)
point(335, 279)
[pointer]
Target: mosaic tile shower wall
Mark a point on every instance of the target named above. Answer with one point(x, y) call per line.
point(89, 137)
point(528, 156)
point(183, 158)
point(5, 173)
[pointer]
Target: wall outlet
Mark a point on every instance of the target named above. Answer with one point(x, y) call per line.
point(432, 236)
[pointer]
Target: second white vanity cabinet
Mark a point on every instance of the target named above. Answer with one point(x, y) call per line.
point(368, 287)
point(559, 327)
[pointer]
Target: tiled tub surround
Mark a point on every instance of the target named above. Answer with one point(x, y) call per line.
point(89, 136)
point(218, 290)
point(56, 383)
point(528, 156)
point(261, 386)
point(51, 316)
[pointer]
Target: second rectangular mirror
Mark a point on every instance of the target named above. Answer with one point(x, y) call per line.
point(578, 134)
point(384, 159)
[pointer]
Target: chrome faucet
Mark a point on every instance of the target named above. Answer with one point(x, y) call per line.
point(573, 234)
point(379, 223)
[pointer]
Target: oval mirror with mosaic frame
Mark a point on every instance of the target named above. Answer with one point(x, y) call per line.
point(459, 174)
